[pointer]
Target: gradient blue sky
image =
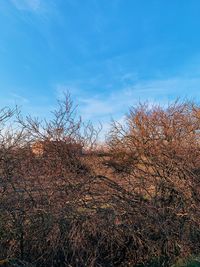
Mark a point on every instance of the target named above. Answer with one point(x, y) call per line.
point(108, 53)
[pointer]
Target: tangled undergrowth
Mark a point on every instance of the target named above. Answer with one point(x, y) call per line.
point(134, 203)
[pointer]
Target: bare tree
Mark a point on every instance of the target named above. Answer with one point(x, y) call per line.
point(156, 154)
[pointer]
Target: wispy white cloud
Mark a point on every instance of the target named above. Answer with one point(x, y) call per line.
point(116, 104)
point(103, 106)
point(19, 99)
point(13, 99)
point(33, 5)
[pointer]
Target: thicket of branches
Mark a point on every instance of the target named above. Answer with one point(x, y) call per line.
point(62, 203)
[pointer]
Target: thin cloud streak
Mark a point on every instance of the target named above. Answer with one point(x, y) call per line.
point(118, 102)
point(32, 5)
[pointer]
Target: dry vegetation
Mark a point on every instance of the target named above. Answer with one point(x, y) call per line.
point(64, 203)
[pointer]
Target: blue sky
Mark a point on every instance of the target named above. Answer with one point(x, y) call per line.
point(108, 53)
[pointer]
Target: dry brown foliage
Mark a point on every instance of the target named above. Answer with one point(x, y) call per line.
point(63, 203)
